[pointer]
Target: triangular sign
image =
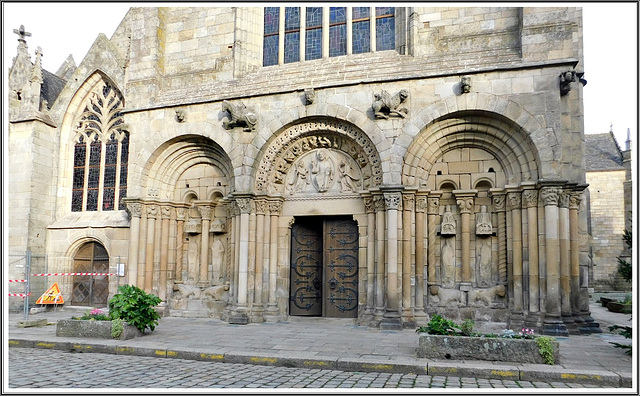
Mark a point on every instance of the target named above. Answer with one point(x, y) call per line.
point(51, 296)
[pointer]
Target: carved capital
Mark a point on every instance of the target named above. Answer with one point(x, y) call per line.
point(261, 206)
point(165, 212)
point(275, 207)
point(379, 203)
point(563, 199)
point(575, 199)
point(434, 205)
point(465, 204)
point(205, 212)
point(244, 204)
point(134, 208)
point(369, 205)
point(392, 200)
point(421, 204)
point(530, 198)
point(181, 213)
point(499, 202)
point(549, 195)
point(152, 211)
point(514, 201)
point(408, 201)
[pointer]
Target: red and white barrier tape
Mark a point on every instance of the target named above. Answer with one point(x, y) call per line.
point(74, 273)
point(19, 294)
point(17, 280)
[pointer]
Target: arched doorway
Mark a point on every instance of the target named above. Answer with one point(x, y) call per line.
point(91, 290)
point(324, 267)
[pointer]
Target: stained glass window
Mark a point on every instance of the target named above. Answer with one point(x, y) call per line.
point(385, 28)
point(98, 164)
point(361, 30)
point(292, 34)
point(313, 34)
point(337, 31)
point(270, 44)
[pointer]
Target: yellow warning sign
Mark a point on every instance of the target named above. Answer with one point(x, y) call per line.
point(51, 296)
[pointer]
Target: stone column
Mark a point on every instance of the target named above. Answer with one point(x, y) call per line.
point(574, 243)
point(275, 207)
point(499, 206)
point(135, 210)
point(433, 204)
point(421, 206)
point(203, 273)
point(408, 219)
point(464, 199)
point(257, 310)
point(565, 264)
point(142, 247)
point(173, 242)
point(516, 319)
point(180, 216)
point(380, 257)
point(553, 324)
point(165, 213)
point(240, 315)
point(370, 208)
point(152, 214)
point(392, 320)
point(530, 202)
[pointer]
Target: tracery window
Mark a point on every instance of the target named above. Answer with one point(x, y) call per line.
point(101, 153)
point(292, 34)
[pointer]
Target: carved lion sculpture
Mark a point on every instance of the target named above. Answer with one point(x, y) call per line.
point(386, 105)
point(239, 115)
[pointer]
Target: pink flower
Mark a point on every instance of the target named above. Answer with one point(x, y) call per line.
point(96, 312)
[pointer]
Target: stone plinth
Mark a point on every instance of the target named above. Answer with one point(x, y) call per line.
point(481, 348)
point(93, 329)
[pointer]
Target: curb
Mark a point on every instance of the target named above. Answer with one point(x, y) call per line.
point(502, 372)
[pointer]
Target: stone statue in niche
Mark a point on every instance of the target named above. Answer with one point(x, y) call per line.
point(448, 261)
point(239, 116)
point(483, 262)
point(323, 171)
point(300, 178)
point(193, 255)
point(448, 225)
point(483, 222)
point(386, 105)
point(217, 261)
point(348, 177)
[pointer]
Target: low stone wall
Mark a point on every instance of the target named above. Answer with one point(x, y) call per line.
point(480, 348)
point(93, 329)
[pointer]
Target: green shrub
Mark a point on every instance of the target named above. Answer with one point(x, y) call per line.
point(135, 306)
point(439, 326)
point(625, 268)
point(546, 349)
point(117, 327)
point(626, 332)
point(467, 327)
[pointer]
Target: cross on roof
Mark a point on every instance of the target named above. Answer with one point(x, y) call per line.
point(21, 32)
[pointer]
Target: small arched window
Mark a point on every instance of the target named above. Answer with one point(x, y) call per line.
point(101, 152)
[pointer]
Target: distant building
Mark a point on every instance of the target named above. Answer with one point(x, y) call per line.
point(609, 204)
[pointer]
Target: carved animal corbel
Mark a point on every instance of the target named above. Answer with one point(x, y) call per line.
point(180, 115)
point(465, 84)
point(566, 78)
point(239, 116)
point(386, 105)
point(309, 95)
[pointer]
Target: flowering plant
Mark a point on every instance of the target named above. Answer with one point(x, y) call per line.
point(94, 314)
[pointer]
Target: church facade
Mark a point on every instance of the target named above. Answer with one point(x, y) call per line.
point(254, 163)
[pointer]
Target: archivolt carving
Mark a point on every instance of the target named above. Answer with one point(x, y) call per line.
point(288, 163)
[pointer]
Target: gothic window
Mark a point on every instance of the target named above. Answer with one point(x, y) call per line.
point(101, 153)
point(292, 34)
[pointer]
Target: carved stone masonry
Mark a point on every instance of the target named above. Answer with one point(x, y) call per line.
point(566, 78)
point(421, 204)
point(513, 200)
point(465, 84)
point(239, 116)
point(465, 204)
point(165, 212)
point(386, 105)
point(152, 211)
point(530, 198)
point(563, 200)
point(499, 202)
point(483, 222)
point(309, 95)
point(448, 225)
point(549, 195)
point(574, 200)
point(369, 205)
point(181, 213)
point(434, 205)
point(205, 212)
point(408, 202)
point(392, 200)
point(261, 206)
point(275, 207)
point(379, 203)
point(244, 204)
point(135, 209)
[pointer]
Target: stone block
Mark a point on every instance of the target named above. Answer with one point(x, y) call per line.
point(93, 329)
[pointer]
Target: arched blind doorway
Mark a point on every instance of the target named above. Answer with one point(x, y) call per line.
point(91, 290)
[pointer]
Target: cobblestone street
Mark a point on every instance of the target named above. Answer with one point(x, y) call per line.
point(38, 368)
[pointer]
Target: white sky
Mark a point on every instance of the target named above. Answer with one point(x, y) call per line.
point(610, 48)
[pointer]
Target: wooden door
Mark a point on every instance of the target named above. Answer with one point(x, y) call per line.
point(324, 267)
point(91, 290)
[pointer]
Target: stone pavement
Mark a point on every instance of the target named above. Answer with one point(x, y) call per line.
point(339, 344)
